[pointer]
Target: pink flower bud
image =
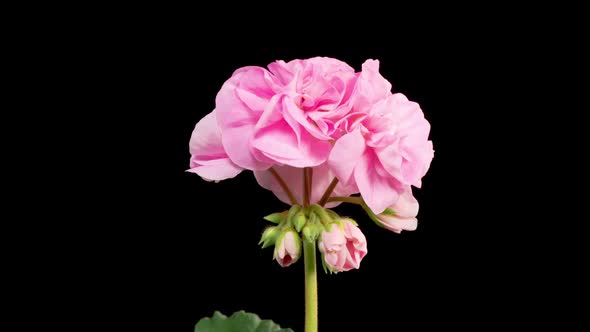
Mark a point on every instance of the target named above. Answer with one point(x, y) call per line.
point(401, 215)
point(288, 248)
point(344, 247)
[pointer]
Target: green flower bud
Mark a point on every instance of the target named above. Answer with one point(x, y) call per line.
point(276, 218)
point(269, 236)
point(299, 221)
point(312, 229)
point(322, 214)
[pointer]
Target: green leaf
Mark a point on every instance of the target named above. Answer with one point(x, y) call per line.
point(240, 321)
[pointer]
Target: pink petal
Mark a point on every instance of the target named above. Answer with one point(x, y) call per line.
point(289, 145)
point(284, 72)
point(331, 258)
point(370, 87)
point(391, 158)
point(377, 191)
point(298, 115)
point(346, 154)
point(239, 105)
point(208, 158)
point(205, 139)
point(290, 245)
point(219, 169)
point(398, 224)
point(406, 206)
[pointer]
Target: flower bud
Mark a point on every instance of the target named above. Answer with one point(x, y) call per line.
point(312, 232)
point(276, 218)
point(269, 236)
point(299, 221)
point(287, 248)
point(343, 246)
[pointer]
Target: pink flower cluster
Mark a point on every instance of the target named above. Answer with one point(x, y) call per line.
point(316, 113)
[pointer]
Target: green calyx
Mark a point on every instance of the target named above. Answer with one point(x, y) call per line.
point(299, 221)
point(309, 222)
point(322, 213)
point(389, 212)
point(313, 228)
point(269, 236)
point(276, 218)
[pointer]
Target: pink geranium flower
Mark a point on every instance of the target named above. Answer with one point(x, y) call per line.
point(285, 116)
point(389, 149)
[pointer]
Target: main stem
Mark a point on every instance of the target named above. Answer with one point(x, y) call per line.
point(309, 251)
point(311, 287)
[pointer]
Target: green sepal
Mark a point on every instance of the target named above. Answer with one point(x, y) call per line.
point(322, 214)
point(291, 214)
point(299, 221)
point(324, 266)
point(332, 214)
point(350, 220)
point(276, 218)
point(269, 236)
point(370, 213)
point(313, 228)
point(389, 212)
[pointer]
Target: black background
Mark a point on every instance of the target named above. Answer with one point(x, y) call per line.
point(162, 248)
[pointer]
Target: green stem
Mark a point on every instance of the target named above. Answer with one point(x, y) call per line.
point(353, 200)
point(311, 287)
point(283, 185)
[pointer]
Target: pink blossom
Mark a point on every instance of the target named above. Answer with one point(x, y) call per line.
point(403, 214)
point(285, 116)
point(389, 150)
point(288, 248)
point(304, 113)
point(208, 158)
point(320, 88)
point(344, 247)
point(240, 104)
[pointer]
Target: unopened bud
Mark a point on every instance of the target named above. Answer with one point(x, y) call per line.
point(287, 248)
point(269, 236)
point(276, 218)
point(299, 221)
point(312, 229)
